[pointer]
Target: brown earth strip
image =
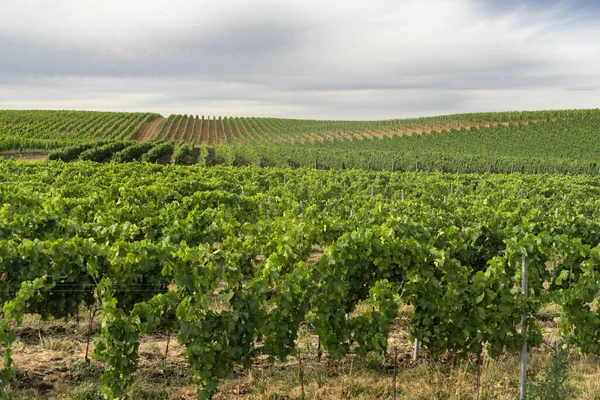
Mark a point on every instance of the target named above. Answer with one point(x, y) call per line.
point(174, 128)
point(149, 130)
point(183, 127)
point(165, 129)
point(342, 135)
point(189, 132)
point(211, 131)
point(196, 134)
point(406, 131)
point(247, 132)
point(26, 156)
point(166, 135)
point(367, 134)
point(204, 137)
point(220, 133)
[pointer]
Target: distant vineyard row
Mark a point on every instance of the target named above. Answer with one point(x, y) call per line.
point(47, 130)
point(196, 130)
point(529, 142)
point(552, 146)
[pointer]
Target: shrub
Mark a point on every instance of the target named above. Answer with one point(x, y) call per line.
point(103, 153)
point(72, 152)
point(133, 152)
point(160, 150)
point(182, 154)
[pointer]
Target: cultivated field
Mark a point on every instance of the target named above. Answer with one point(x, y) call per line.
point(269, 265)
point(527, 142)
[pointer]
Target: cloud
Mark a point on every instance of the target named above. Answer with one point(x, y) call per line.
point(334, 59)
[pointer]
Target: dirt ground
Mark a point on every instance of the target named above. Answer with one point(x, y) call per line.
point(150, 130)
point(50, 360)
point(26, 156)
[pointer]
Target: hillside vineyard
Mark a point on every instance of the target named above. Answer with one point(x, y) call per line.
point(235, 260)
point(555, 141)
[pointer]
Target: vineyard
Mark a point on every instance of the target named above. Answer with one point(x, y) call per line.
point(47, 130)
point(526, 142)
point(61, 128)
point(241, 265)
point(214, 130)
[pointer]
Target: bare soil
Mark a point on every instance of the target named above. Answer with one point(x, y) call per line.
point(150, 130)
point(406, 131)
point(222, 138)
point(204, 136)
point(196, 139)
point(180, 134)
point(189, 133)
point(50, 358)
point(210, 131)
point(173, 127)
point(26, 156)
point(166, 129)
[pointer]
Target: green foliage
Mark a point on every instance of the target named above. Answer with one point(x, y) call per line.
point(133, 152)
point(225, 153)
point(236, 260)
point(182, 154)
point(553, 382)
point(203, 157)
point(117, 346)
point(48, 130)
point(532, 142)
point(71, 153)
point(104, 153)
point(14, 310)
point(145, 391)
point(160, 150)
point(87, 392)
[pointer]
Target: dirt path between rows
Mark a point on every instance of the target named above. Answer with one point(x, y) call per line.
point(26, 156)
point(406, 131)
point(201, 133)
point(149, 130)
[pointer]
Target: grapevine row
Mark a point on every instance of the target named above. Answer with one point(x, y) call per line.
point(225, 252)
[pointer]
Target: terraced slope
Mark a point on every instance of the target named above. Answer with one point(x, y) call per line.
point(567, 145)
point(530, 142)
point(212, 131)
point(44, 130)
point(566, 141)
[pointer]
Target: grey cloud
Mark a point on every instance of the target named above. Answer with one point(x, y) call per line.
point(337, 59)
point(229, 47)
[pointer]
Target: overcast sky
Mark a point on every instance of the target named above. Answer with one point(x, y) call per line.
point(340, 59)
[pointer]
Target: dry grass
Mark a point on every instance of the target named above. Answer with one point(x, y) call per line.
point(50, 361)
